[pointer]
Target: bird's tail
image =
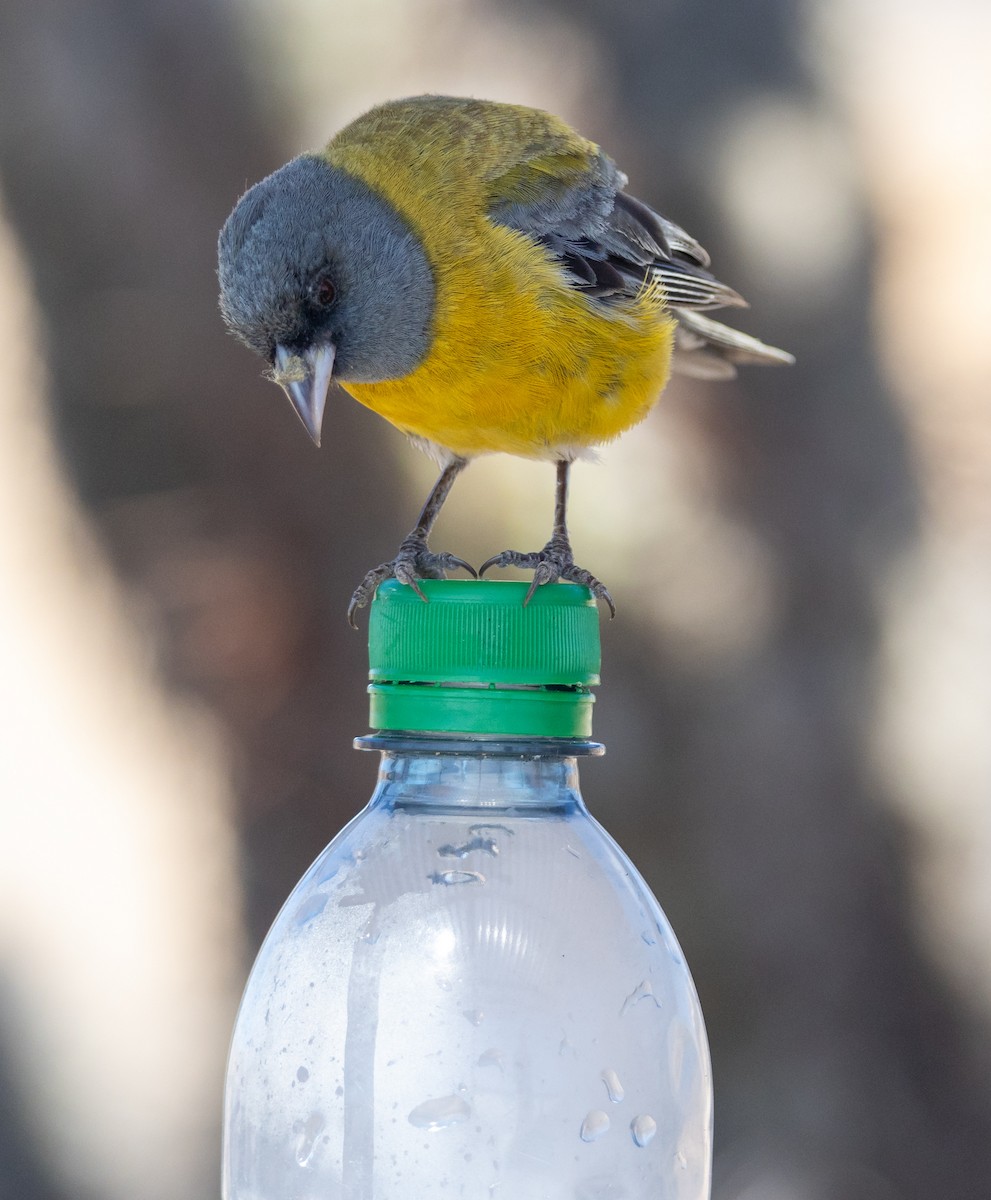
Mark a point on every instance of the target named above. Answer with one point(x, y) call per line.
point(706, 349)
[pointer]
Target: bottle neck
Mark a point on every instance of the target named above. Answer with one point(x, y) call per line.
point(490, 776)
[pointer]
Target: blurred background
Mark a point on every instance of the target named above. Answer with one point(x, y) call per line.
point(797, 688)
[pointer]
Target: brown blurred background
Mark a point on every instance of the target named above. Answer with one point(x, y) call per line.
point(797, 695)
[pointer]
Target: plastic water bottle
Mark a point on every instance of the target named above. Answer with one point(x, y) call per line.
point(472, 993)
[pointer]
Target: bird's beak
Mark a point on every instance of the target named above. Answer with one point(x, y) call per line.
point(306, 380)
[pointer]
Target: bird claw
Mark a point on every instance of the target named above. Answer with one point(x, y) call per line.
point(414, 561)
point(555, 562)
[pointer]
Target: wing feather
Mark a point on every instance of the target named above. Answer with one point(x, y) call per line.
point(570, 200)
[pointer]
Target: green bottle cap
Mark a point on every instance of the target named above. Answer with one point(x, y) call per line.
point(473, 660)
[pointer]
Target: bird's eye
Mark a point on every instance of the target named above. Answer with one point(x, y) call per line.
point(323, 292)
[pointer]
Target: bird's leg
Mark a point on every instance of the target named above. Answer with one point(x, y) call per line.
point(415, 560)
point(556, 560)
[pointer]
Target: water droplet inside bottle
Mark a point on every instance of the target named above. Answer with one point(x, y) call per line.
point(307, 1133)
point(498, 829)
point(440, 1113)
point(596, 1123)
point(452, 877)
point(614, 1089)
point(474, 1016)
point(302, 1074)
point(643, 1129)
point(643, 991)
point(490, 1058)
point(484, 845)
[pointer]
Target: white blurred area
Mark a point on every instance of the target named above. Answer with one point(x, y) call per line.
point(917, 93)
point(119, 939)
point(118, 907)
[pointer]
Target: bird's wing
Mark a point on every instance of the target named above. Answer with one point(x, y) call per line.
point(570, 200)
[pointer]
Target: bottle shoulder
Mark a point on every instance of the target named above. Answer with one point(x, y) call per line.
point(551, 866)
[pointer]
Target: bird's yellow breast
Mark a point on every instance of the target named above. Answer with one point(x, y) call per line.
point(519, 361)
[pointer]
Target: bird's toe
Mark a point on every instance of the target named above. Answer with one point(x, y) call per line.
point(413, 562)
point(525, 560)
point(555, 562)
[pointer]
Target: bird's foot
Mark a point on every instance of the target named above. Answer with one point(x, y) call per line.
point(414, 561)
point(549, 565)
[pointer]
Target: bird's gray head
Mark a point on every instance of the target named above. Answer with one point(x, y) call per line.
point(322, 276)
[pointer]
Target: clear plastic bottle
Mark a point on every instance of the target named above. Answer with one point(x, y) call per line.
point(472, 993)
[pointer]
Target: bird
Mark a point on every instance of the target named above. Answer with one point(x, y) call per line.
point(476, 273)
